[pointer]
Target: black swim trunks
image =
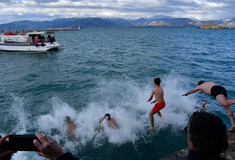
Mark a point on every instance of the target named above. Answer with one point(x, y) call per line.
point(216, 90)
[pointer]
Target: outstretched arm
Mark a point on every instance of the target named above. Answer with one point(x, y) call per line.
point(101, 120)
point(151, 96)
point(191, 91)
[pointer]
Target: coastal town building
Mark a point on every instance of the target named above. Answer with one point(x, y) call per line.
point(210, 25)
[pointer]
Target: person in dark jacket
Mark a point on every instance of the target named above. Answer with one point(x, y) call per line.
point(207, 137)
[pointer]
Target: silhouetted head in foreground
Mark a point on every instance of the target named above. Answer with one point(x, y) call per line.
point(157, 81)
point(108, 116)
point(200, 82)
point(207, 134)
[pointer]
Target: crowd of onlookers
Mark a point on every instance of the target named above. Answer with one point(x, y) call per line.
point(41, 39)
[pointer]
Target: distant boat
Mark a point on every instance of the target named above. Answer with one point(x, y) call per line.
point(30, 41)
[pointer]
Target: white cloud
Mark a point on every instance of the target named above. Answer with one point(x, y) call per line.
point(50, 9)
point(214, 4)
point(2, 5)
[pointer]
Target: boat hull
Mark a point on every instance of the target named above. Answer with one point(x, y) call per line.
point(29, 48)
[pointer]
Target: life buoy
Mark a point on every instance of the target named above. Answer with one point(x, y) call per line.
point(36, 45)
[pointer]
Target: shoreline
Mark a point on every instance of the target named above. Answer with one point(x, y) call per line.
point(228, 155)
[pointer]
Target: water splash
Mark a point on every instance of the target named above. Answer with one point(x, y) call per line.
point(125, 101)
point(18, 114)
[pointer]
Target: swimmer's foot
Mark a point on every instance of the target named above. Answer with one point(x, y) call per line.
point(202, 109)
point(203, 104)
point(151, 128)
point(232, 129)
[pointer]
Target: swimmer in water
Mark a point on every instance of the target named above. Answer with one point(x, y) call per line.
point(70, 128)
point(111, 122)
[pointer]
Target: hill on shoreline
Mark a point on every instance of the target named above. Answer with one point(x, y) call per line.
point(72, 23)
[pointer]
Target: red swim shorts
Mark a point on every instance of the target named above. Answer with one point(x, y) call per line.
point(158, 107)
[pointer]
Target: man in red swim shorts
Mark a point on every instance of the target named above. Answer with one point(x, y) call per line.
point(159, 98)
point(158, 107)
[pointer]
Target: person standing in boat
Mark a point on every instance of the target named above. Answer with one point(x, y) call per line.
point(43, 38)
point(49, 38)
point(33, 37)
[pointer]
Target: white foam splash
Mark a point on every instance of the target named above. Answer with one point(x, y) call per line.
point(22, 155)
point(126, 102)
point(17, 112)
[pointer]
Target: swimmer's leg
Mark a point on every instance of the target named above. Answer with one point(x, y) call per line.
point(226, 103)
point(159, 114)
point(231, 117)
point(151, 113)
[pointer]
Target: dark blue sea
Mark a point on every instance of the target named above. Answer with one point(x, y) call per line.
point(100, 71)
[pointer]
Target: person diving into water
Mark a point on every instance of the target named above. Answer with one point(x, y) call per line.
point(220, 95)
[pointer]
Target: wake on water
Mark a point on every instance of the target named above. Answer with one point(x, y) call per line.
point(124, 100)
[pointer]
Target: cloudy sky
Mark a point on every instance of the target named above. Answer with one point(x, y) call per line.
point(38, 10)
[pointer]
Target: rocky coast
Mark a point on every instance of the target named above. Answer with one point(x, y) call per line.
point(228, 155)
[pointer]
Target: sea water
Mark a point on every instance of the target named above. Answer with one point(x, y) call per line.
point(111, 70)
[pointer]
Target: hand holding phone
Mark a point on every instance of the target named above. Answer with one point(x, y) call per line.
point(48, 147)
point(5, 152)
point(22, 142)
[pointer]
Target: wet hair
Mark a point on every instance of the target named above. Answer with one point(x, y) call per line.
point(157, 81)
point(107, 115)
point(208, 133)
point(67, 119)
point(200, 82)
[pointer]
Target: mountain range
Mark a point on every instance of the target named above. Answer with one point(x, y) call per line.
point(71, 23)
